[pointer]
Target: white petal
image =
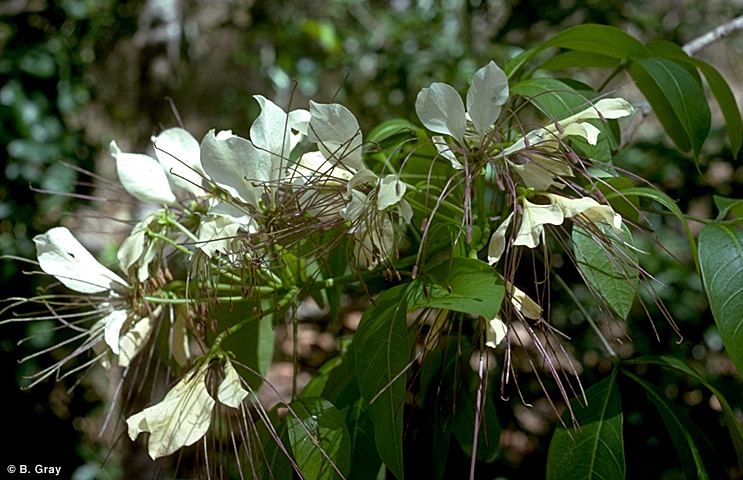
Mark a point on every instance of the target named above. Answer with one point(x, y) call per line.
point(271, 132)
point(355, 207)
point(589, 208)
point(131, 343)
point(61, 255)
point(132, 247)
point(374, 243)
point(540, 171)
point(180, 347)
point(523, 303)
point(216, 234)
point(445, 151)
point(405, 211)
point(391, 191)
point(497, 244)
point(583, 129)
point(231, 392)
point(142, 176)
point(112, 324)
point(299, 121)
point(236, 165)
point(179, 154)
point(533, 220)
point(337, 134)
point(496, 332)
point(489, 90)
point(314, 169)
point(440, 109)
point(362, 177)
point(179, 420)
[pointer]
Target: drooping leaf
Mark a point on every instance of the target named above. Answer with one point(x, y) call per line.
point(382, 352)
point(731, 420)
point(721, 262)
point(680, 429)
point(365, 461)
point(319, 439)
point(677, 98)
point(717, 84)
point(596, 449)
point(610, 269)
point(463, 285)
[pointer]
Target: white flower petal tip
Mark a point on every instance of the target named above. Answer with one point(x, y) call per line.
point(62, 256)
point(336, 132)
point(588, 208)
point(445, 151)
point(496, 332)
point(142, 177)
point(391, 191)
point(179, 420)
point(179, 154)
point(231, 392)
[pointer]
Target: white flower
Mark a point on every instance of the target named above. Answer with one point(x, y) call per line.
point(138, 249)
point(441, 110)
point(536, 216)
point(248, 169)
point(62, 256)
point(496, 332)
point(149, 180)
point(547, 138)
point(184, 415)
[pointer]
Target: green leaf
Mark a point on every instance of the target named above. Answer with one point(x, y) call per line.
point(728, 205)
point(555, 98)
point(680, 429)
point(365, 461)
point(319, 439)
point(596, 450)
point(600, 39)
point(734, 427)
point(253, 344)
point(463, 423)
point(382, 352)
point(717, 84)
point(677, 98)
point(578, 59)
point(464, 285)
point(721, 261)
point(610, 267)
point(391, 132)
point(667, 202)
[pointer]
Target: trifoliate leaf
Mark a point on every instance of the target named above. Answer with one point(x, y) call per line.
point(236, 165)
point(489, 90)
point(179, 154)
point(337, 134)
point(61, 255)
point(142, 176)
point(231, 392)
point(179, 420)
point(440, 109)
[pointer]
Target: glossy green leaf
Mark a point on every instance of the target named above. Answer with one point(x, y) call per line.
point(673, 363)
point(664, 200)
point(579, 59)
point(555, 98)
point(392, 130)
point(725, 205)
point(596, 449)
point(253, 344)
point(721, 261)
point(319, 439)
point(365, 461)
point(609, 267)
point(680, 429)
point(677, 98)
point(382, 352)
point(717, 84)
point(464, 285)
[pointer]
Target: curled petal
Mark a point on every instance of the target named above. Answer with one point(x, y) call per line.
point(131, 343)
point(231, 392)
point(179, 420)
point(440, 109)
point(523, 303)
point(588, 207)
point(445, 151)
point(497, 244)
point(112, 324)
point(533, 220)
point(391, 191)
point(496, 332)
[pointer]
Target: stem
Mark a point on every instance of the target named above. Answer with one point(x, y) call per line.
point(169, 241)
point(593, 325)
point(182, 229)
point(711, 37)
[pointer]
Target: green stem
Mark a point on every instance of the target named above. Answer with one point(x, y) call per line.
point(171, 221)
point(169, 241)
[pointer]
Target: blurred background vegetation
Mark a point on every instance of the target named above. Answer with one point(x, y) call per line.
point(75, 74)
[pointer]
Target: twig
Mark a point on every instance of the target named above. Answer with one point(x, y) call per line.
point(714, 35)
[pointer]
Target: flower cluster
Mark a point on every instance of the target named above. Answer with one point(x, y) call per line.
point(263, 212)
